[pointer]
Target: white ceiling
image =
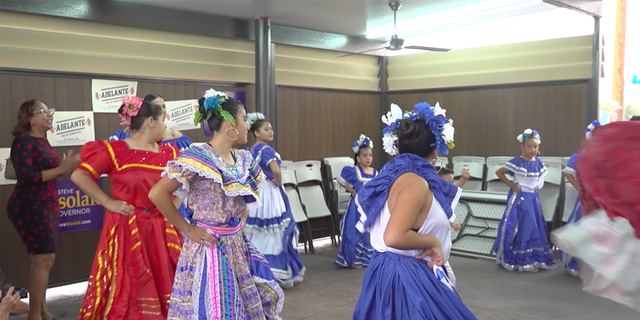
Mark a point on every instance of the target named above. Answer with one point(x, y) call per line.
point(348, 17)
point(417, 19)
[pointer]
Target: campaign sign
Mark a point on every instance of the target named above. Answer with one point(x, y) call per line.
point(180, 114)
point(72, 128)
point(107, 94)
point(78, 212)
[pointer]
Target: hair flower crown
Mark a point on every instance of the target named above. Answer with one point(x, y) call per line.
point(589, 131)
point(253, 117)
point(528, 134)
point(363, 141)
point(435, 119)
point(132, 105)
point(213, 101)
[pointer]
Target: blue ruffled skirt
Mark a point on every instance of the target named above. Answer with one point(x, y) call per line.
point(355, 248)
point(397, 287)
point(570, 263)
point(522, 243)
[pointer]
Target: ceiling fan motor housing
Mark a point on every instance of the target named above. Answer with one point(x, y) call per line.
point(395, 43)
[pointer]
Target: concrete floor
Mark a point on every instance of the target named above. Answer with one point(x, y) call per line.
point(488, 290)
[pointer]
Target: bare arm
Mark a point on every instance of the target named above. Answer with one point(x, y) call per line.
point(461, 182)
point(160, 195)
point(573, 181)
point(85, 182)
point(406, 200)
point(349, 189)
point(277, 175)
point(501, 174)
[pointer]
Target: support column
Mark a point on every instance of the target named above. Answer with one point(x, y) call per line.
point(383, 88)
point(272, 101)
point(263, 64)
point(596, 64)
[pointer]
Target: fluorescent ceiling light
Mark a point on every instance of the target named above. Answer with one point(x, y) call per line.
point(551, 24)
point(437, 21)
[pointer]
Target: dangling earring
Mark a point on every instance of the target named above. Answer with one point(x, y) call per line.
point(32, 124)
point(237, 134)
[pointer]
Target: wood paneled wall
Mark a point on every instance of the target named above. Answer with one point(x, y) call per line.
point(314, 124)
point(487, 120)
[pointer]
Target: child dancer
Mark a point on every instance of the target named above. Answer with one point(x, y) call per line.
point(355, 249)
point(569, 262)
point(271, 228)
point(521, 243)
point(447, 174)
point(606, 239)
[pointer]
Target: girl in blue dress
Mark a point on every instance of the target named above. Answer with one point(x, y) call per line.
point(406, 210)
point(271, 228)
point(173, 136)
point(522, 243)
point(569, 262)
point(355, 249)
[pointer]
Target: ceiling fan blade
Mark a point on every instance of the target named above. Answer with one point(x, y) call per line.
point(427, 48)
point(361, 52)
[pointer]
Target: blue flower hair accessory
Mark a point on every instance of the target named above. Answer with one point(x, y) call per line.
point(213, 101)
point(434, 118)
point(528, 134)
point(363, 141)
point(589, 131)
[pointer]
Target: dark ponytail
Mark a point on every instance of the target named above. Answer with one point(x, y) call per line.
point(415, 138)
point(215, 122)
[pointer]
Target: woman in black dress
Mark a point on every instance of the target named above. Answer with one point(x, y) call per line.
point(33, 207)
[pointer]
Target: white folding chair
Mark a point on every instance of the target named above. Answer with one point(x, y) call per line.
point(570, 198)
point(309, 179)
point(338, 196)
point(300, 217)
point(565, 161)
point(442, 161)
point(492, 182)
point(550, 192)
point(288, 174)
point(476, 170)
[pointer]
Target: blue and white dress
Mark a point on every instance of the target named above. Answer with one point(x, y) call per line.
point(397, 286)
point(522, 243)
point(355, 249)
point(570, 263)
point(271, 228)
point(182, 143)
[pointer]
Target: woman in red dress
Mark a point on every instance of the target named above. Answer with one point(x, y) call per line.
point(606, 239)
point(135, 261)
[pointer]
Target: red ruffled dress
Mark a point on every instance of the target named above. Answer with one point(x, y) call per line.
point(607, 239)
point(135, 262)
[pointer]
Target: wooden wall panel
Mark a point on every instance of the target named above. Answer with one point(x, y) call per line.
point(487, 120)
point(314, 124)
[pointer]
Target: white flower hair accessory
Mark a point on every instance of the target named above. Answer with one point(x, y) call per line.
point(528, 134)
point(435, 119)
point(253, 117)
point(589, 131)
point(363, 141)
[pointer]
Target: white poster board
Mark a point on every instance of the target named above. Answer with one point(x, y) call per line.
point(4, 155)
point(72, 128)
point(180, 114)
point(107, 94)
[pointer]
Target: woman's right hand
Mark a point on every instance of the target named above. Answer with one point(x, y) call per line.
point(200, 235)
point(435, 253)
point(117, 206)
point(516, 188)
point(69, 161)
point(10, 299)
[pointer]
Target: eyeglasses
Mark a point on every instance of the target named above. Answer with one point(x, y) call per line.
point(48, 111)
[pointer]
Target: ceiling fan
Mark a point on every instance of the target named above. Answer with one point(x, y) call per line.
point(396, 43)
